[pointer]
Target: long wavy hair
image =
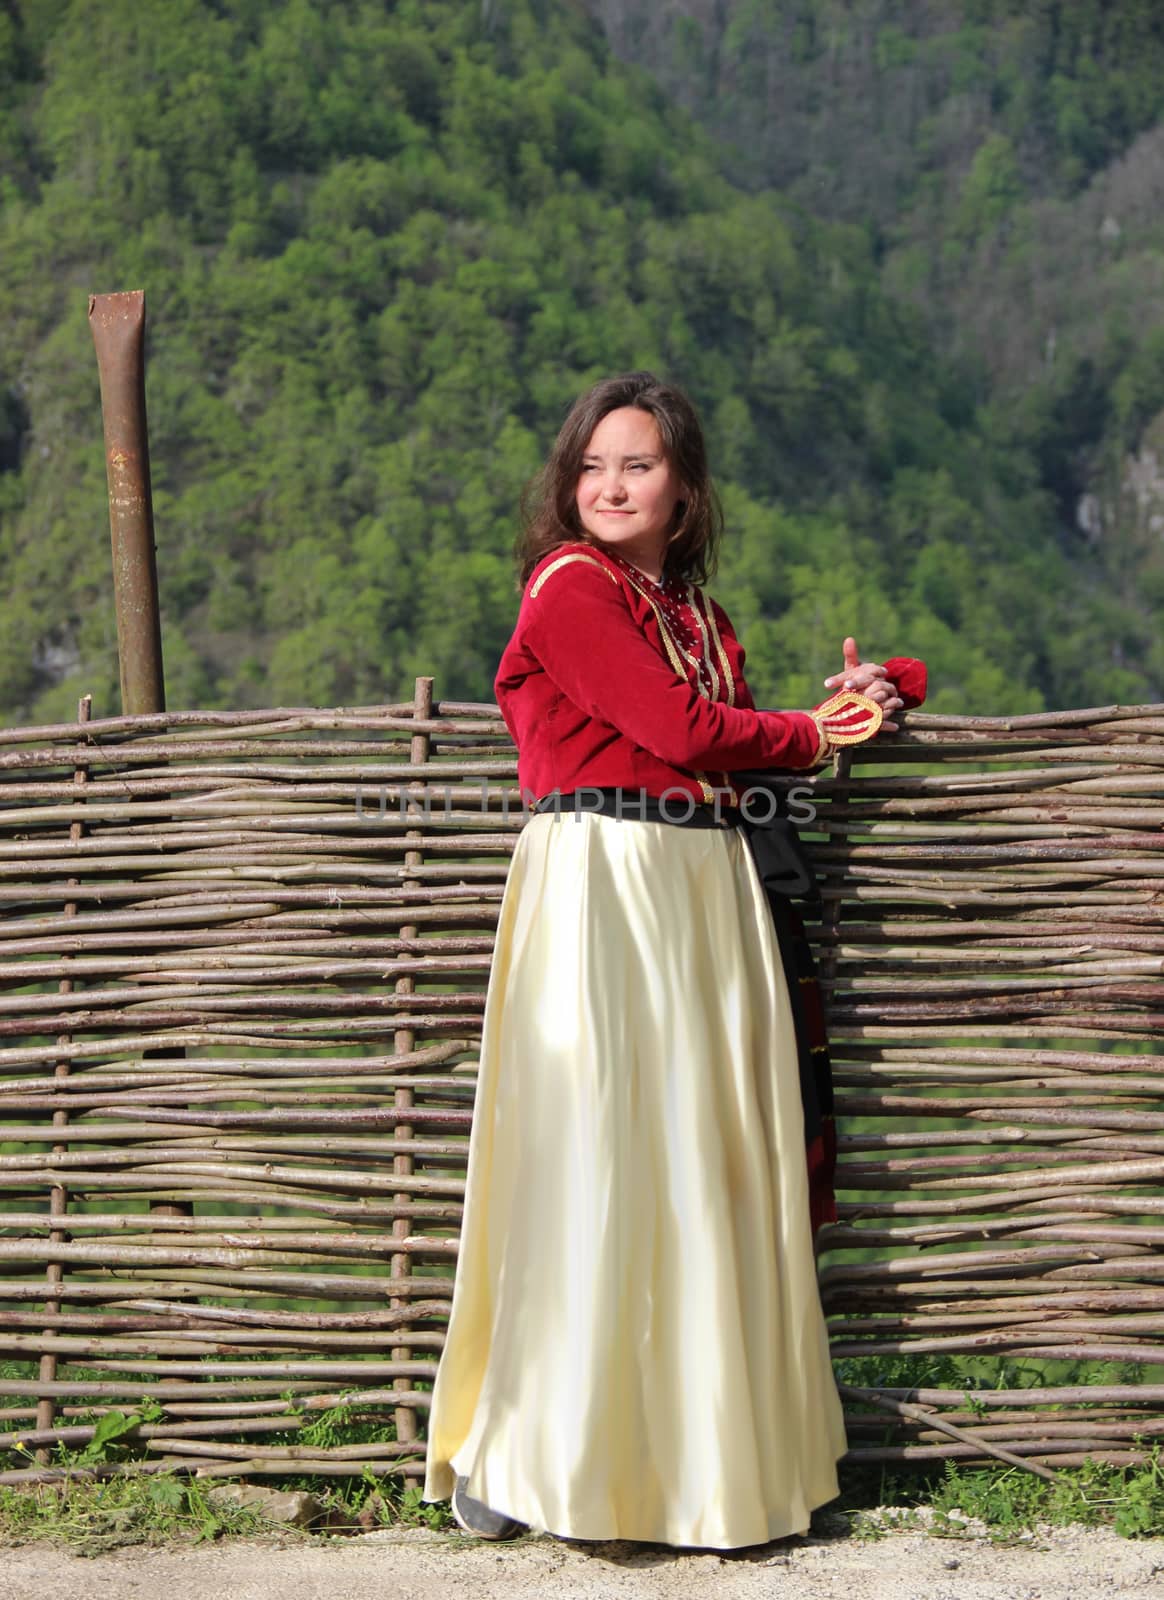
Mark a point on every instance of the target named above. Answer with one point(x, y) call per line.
point(549, 506)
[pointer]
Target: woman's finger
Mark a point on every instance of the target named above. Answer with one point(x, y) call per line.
point(857, 678)
point(885, 694)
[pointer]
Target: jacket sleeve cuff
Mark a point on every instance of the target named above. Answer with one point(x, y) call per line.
point(824, 747)
point(910, 677)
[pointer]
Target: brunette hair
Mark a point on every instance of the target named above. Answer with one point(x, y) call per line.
point(548, 506)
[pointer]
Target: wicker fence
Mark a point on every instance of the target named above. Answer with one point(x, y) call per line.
point(244, 960)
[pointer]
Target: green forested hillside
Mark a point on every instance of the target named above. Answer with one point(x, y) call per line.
point(383, 246)
point(1006, 160)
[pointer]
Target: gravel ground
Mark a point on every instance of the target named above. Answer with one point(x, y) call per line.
point(416, 1564)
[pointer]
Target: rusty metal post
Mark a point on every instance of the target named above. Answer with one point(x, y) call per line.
point(118, 325)
point(117, 322)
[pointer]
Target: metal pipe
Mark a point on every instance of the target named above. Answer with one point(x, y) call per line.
point(118, 325)
point(117, 322)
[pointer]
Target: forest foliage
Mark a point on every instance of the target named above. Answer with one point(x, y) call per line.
point(383, 246)
point(1006, 160)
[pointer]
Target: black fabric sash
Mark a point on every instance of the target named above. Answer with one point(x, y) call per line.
point(632, 805)
point(784, 872)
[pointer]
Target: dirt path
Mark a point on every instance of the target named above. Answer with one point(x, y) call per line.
point(414, 1564)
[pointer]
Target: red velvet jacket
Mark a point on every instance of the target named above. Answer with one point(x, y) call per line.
point(594, 692)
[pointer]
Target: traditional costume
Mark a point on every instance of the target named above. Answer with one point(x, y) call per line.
point(636, 1348)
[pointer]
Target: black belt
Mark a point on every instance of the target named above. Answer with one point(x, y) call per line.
point(679, 810)
point(775, 844)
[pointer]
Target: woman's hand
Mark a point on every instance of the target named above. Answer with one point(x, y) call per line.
point(868, 679)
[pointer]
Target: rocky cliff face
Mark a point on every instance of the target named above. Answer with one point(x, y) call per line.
point(1142, 485)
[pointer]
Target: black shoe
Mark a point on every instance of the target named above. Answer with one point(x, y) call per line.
point(475, 1517)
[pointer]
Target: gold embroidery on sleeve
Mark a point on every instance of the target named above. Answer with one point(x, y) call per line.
point(702, 625)
point(824, 747)
point(564, 561)
point(705, 788)
point(729, 681)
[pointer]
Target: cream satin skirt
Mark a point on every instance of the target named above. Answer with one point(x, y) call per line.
point(636, 1348)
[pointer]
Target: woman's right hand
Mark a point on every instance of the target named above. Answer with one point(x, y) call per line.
point(868, 679)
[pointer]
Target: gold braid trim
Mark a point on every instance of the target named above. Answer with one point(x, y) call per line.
point(564, 561)
point(675, 652)
point(843, 704)
point(702, 626)
point(676, 659)
point(725, 668)
point(707, 608)
point(824, 749)
point(673, 655)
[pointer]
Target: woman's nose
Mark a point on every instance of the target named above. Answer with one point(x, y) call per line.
point(614, 489)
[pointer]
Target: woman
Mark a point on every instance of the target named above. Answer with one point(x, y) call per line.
point(636, 1348)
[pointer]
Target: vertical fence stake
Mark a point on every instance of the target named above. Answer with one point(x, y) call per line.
point(831, 902)
point(404, 1040)
point(833, 894)
point(58, 1194)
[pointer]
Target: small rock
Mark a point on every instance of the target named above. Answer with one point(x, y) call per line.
point(951, 1564)
point(293, 1507)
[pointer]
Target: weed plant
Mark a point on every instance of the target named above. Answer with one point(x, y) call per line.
point(1005, 1504)
point(92, 1517)
point(952, 1501)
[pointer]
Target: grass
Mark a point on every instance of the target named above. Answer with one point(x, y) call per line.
point(1005, 1504)
point(950, 1501)
point(93, 1517)
point(1000, 1502)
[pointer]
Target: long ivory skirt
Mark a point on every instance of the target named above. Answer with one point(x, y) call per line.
point(636, 1348)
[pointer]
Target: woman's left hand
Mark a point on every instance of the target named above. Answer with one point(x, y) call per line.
point(868, 679)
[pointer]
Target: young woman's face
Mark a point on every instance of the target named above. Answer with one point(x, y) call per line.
point(628, 490)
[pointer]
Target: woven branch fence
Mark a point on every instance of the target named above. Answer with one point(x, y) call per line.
point(243, 959)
